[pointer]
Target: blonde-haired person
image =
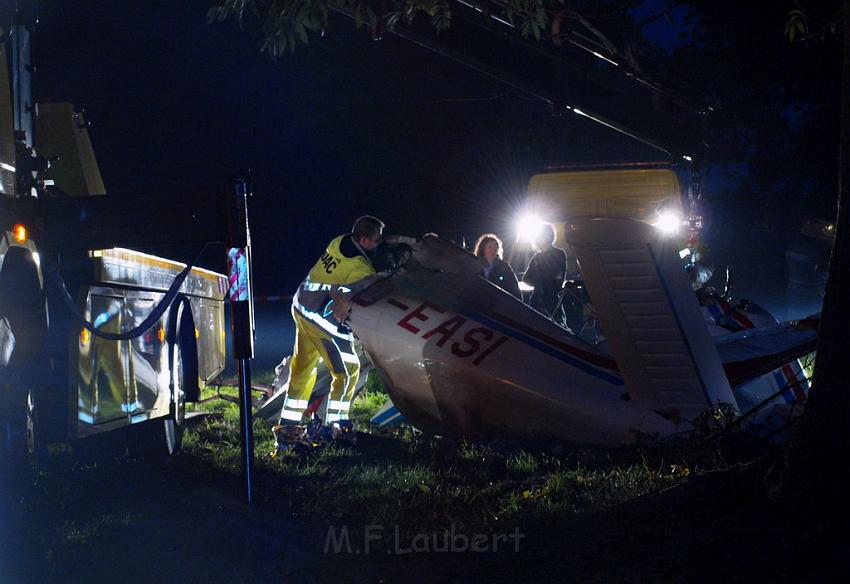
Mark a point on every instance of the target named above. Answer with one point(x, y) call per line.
point(498, 271)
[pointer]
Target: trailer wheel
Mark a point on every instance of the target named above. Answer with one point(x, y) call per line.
point(175, 423)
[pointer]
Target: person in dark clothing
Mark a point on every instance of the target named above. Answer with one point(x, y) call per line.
point(546, 273)
point(498, 271)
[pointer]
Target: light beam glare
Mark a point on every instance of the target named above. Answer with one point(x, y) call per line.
point(528, 227)
point(668, 223)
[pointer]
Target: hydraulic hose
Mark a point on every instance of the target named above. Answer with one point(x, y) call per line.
point(145, 325)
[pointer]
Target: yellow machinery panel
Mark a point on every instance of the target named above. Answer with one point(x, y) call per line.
point(631, 193)
point(62, 132)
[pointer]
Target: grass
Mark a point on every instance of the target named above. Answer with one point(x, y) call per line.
point(370, 400)
point(522, 463)
point(429, 481)
point(595, 514)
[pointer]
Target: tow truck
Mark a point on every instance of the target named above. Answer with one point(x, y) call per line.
point(94, 336)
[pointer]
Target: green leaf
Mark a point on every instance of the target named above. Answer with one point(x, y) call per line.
point(392, 19)
point(301, 32)
point(214, 15)
point(279, 45)
point(303, 14)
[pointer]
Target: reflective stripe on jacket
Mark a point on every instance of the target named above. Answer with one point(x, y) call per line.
point(333, 269)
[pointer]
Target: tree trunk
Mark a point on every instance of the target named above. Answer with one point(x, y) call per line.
point(815, 457)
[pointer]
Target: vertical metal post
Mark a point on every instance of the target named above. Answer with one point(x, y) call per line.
point(242, 322)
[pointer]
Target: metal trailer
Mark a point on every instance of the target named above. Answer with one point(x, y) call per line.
point(67, 281)
point(117, 383)
point(62, 382)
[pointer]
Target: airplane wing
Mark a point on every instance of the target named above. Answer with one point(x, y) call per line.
point(650, 315)
point(754, 352)
point(435, 253)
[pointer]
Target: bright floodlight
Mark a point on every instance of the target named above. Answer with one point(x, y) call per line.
point(528, 227)
point(668, 223)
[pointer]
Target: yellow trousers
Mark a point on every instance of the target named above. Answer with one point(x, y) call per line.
point(316, 338)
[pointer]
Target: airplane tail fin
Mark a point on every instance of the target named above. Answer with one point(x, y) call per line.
point(650, 315)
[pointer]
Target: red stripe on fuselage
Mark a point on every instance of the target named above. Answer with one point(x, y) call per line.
point(794, 382)
point(594, 359)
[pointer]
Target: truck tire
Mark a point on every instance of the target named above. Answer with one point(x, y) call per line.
point(13, 433)
point(25, 372)
point(22, 450)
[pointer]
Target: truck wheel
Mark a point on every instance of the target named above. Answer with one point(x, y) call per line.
point(175, 423)
point(23, 367)
point(21, 449)
point(13, 429)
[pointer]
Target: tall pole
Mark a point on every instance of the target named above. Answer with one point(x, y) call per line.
point(240, 295)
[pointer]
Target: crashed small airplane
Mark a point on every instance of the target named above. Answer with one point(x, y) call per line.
point(460, 357)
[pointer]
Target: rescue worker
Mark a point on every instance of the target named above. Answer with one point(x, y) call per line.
point(344, 266)
point(498, 271)
point(698, 262)
point(546, 273)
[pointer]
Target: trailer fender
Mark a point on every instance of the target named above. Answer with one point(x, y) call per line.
point(181, 333)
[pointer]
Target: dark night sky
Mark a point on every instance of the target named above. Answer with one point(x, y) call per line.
point(348, 126)
point(344, 127)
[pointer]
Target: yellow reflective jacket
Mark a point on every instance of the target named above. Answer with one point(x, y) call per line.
point(335, 268)
point(332, 269)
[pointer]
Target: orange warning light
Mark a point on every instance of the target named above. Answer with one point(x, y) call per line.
point(19, 232)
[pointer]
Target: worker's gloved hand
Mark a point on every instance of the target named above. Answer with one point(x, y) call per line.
point(343, 329)
point(340, 303)
point(390, 257)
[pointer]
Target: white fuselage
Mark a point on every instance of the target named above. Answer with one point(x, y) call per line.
point(461, 357)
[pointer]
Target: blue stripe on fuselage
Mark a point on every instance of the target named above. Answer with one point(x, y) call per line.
point(549, 350)
point(782, 382)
